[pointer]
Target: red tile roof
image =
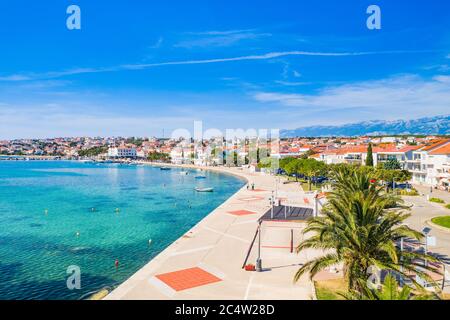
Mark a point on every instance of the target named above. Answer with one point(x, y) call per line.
point(445, 149)
point(435, 144)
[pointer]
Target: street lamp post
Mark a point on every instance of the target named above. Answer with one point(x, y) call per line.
point(401, 260)
point(258, 260)
point(426, 231)
point(443, 279)
point(272, 202)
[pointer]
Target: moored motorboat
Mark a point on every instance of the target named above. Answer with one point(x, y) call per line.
point(165, 168)
point(204, 189)
point(200, 177)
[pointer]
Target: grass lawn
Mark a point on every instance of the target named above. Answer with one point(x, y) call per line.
point(442, 221)
point(305, 186)
point(328, 289)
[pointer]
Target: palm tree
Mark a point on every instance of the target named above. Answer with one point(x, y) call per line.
point(358, 232)
point(390, 290)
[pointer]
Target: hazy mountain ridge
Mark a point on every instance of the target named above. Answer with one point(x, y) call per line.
point(439, 125)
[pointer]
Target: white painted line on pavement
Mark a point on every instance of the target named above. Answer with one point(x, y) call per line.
point(226, 235)
point(179, 253)
point(249, 286)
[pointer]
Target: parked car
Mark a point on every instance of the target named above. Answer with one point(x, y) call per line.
point(319, 179)
point(402, 186)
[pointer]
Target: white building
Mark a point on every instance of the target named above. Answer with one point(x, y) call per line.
point(181, 155)
point(122, 152)
point(358, 155)
point(430, 165)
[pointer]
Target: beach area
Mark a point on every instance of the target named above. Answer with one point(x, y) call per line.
point(207, 261)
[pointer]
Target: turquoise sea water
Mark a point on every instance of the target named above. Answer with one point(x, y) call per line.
point(43, 205)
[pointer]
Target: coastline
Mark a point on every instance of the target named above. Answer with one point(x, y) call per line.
point(217, 169)
point(218, 244)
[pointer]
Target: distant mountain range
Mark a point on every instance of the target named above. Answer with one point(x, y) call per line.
point(439, 125)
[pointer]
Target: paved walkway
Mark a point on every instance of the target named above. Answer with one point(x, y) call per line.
point(436, 193)
point(423, 211)
point(206, 263)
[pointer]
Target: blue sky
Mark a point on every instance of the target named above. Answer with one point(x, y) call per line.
point(138, 67)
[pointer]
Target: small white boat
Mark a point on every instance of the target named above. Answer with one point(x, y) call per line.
point(184, 173)
point(204, 189)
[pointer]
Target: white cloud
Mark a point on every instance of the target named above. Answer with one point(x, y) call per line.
point(15, 77)
point(407, 95)
point(219, 38)
point(157, 44)
point(438, 67)
point(441, 78)
point(292, 84)
point(266, 56)
point(220, 33)
point(53, 120)
point(288, 72)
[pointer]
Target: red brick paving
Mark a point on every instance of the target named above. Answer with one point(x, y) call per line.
point(187, 278)
point(241, 212)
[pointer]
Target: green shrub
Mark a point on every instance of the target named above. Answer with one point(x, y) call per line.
point(412, 192)
point(437, 200)
point(393, 201)
point(447, 206)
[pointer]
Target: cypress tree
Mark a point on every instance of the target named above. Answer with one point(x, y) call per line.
point(369, 159)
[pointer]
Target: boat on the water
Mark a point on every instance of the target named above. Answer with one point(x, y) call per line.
point(184, 173)
point(200, 177)
point(204, 189)
point(165, 168)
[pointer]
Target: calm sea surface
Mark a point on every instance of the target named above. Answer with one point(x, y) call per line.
point(57, 214)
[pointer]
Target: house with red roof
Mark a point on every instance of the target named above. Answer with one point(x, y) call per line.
point(357, 154)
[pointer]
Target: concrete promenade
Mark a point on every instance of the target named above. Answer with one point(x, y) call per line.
point(206, 262)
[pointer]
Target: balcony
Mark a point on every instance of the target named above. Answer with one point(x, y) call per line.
point(384, 159)
point(417, 170)
point(353, 158)
point(413, 160)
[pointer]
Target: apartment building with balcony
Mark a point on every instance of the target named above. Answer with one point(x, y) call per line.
point(430, 165)
point(358, 154)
